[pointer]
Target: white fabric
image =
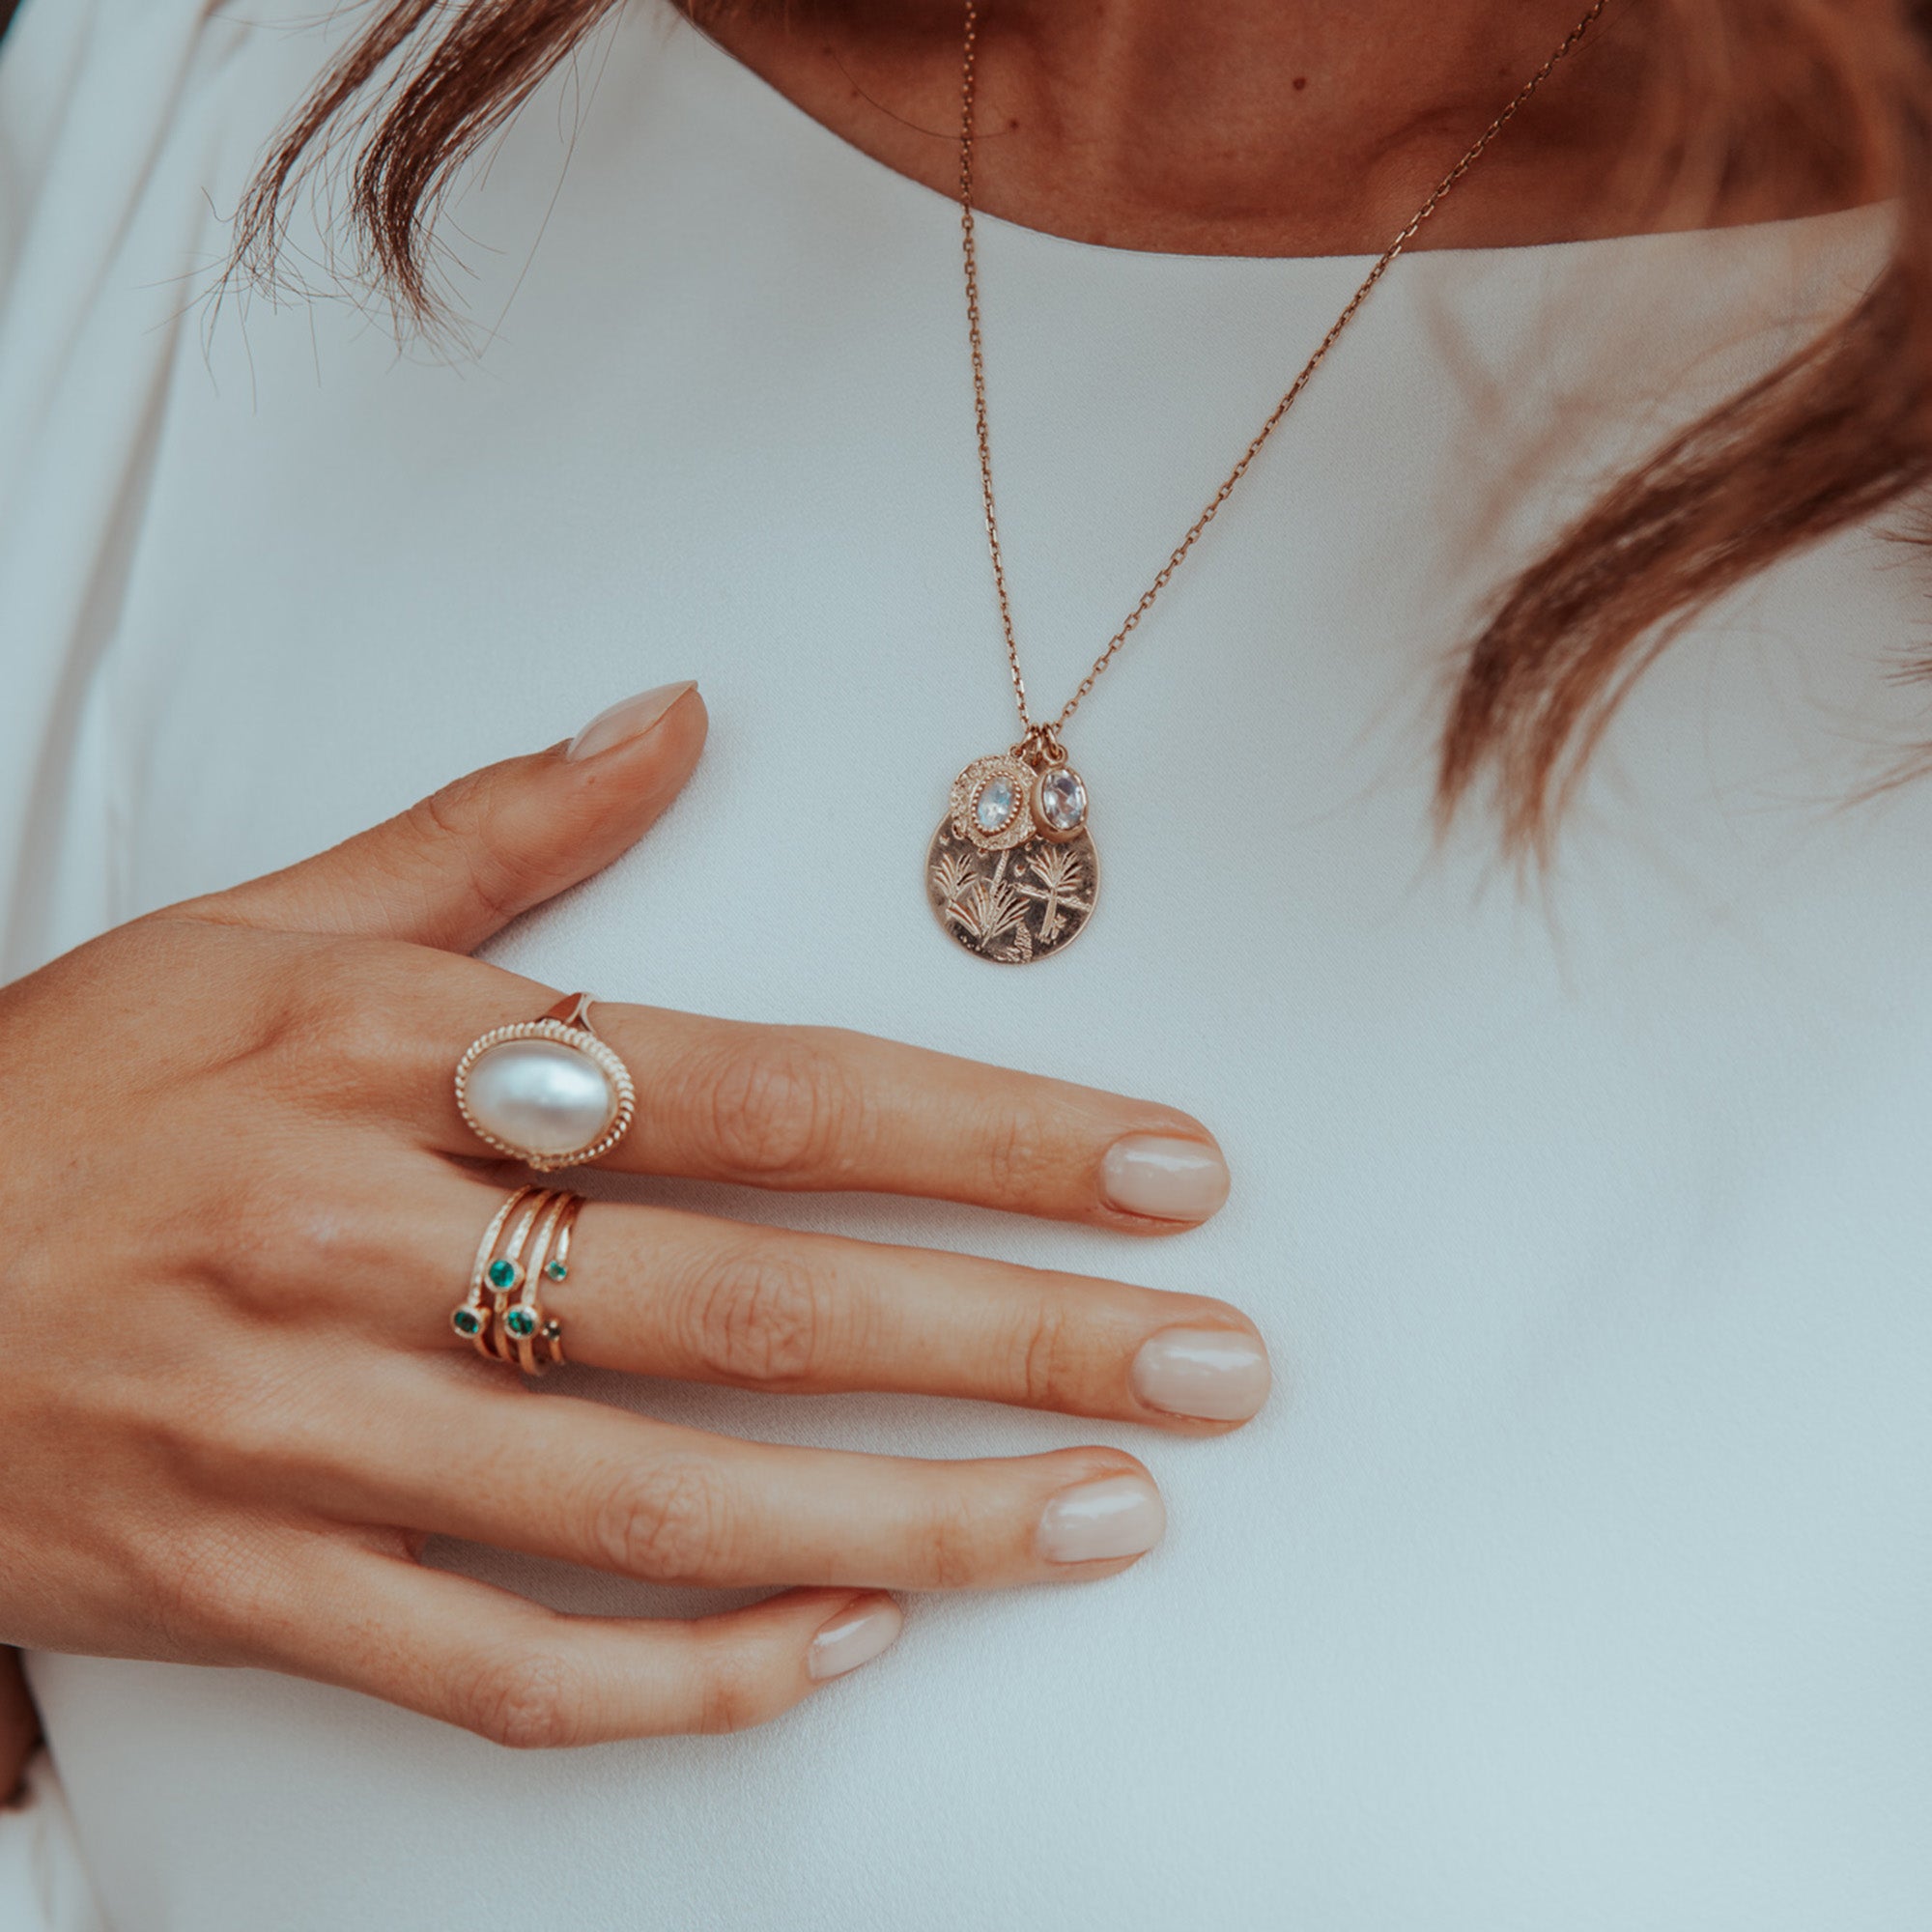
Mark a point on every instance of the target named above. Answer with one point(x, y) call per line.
point(1580, 1573)
point(43, 1883)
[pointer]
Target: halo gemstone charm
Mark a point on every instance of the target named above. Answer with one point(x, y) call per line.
point(988, 805)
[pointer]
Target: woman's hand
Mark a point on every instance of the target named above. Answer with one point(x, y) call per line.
point(240, 1204)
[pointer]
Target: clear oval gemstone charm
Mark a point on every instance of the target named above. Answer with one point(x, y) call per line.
point(1059, 802)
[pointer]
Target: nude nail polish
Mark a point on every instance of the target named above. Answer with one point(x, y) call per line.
point(1164, 1176)
point(629, 719)
point(1118, 1515)
point(853, 1637)
point(1214, 1374)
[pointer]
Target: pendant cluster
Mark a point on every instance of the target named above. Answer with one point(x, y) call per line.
point(1011, 873)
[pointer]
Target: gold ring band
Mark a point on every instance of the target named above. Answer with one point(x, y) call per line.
point(527, 1243)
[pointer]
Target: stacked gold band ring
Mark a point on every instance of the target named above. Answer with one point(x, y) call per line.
point(525, 1245)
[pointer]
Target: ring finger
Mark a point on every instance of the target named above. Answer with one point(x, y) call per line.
point(657, 1292)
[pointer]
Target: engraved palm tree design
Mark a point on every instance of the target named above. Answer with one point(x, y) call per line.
point(988, 908)
point(1011, 905)
point(1057, 871)
point(952, 873)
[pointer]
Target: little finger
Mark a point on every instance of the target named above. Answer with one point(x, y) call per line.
point(528, 1677)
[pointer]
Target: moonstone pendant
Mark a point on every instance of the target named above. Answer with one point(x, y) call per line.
point(1011, 874)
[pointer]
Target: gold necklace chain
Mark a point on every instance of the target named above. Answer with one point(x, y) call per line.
point(1044, 737)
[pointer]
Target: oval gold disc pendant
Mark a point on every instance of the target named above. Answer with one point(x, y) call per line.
point(1011, 874)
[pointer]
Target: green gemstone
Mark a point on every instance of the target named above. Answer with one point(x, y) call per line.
point(504, 1274)
point(558, 1270)
point(465, 1322)
point(521, 1321)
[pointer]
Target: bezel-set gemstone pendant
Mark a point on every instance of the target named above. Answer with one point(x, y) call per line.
point(1057, 801)
point(1011, 874)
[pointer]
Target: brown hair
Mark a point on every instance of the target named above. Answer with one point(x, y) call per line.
point(1840, 432)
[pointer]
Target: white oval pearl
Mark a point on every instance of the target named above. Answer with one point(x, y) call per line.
point(541, 1097)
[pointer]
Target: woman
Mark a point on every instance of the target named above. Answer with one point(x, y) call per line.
point(1577, 1573)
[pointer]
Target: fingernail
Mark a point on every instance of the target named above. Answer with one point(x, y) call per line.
point(1164, 1176)
point(1214, 1374)
point(629, 720)
point(1119, 1516)
point(853, 1639)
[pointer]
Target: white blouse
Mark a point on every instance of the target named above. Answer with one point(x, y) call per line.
point(1579, 1574)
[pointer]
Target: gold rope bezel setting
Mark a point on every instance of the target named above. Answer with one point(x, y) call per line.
point(581, 1039)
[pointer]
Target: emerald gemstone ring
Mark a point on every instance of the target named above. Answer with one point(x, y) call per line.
point(527, 1243)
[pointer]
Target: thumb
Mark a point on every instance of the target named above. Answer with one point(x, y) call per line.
point(456, 868)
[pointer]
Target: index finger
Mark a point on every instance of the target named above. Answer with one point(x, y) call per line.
point(797, 1108)
point(818, 1107)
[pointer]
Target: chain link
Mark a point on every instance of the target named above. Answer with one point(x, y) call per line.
point(1040, 732)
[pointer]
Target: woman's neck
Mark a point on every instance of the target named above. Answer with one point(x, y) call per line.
point(1247, 127)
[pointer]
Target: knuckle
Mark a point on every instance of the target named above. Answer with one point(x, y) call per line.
point(273, 1427)
point(458, 821)
point(758, 1318)
point(309, 1013)
point(1018, 1152)
point(667, 1522)
point(777, 1106)
point(730, 1695)
point(947, 1542)
point(212, 1594)
point(527, 1701)
point(1045, 1358)
point(370, 1033)
point(332, 1028)
point(281, 1236)
point(242, 1429)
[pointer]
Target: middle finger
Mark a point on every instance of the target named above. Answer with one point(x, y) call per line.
point(798, 1107)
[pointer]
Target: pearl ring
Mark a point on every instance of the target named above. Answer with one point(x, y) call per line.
point(547, 1091)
